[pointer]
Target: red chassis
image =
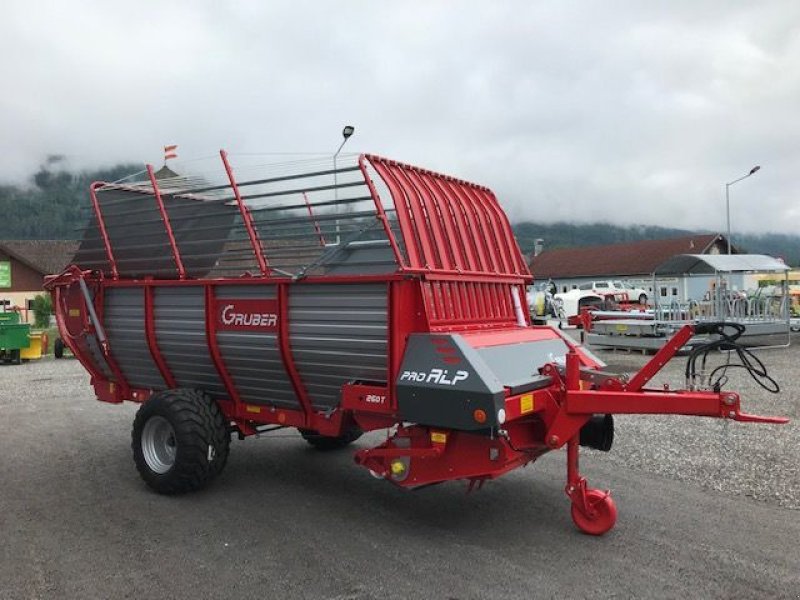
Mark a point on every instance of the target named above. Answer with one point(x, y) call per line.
point(535, 422)
point(545, 420)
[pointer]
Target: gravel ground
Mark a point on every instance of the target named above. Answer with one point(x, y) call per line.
point(284, 521)
point(756, 460)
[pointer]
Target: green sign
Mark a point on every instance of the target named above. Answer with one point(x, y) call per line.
point(5, 274)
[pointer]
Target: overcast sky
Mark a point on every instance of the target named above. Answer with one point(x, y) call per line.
point(630, 112)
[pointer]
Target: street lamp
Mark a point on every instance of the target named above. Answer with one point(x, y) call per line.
point(346, 133)
point(728, 201)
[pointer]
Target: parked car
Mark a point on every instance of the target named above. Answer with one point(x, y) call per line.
point(616, 286)
point(569, 304)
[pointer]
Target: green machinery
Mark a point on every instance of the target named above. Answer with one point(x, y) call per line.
point(14, 337)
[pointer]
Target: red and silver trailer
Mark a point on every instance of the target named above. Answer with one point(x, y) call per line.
point(372, 295)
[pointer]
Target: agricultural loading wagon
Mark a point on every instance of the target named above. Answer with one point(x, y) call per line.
point(373, 295)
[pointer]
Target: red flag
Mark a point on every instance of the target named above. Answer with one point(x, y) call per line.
point(169, 152)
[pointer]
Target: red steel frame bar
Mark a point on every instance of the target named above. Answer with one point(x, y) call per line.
point(313, 220)
point(444, 210)
point(394, 349)
point(661, 358)
point(474, 230)
point(213, 346)
point(699, 404)
point(472, 299)
point(286, 353)
point(167, 225)
point(381, 212)
point(479, 226)
point(464, 242)
point(522, 266)
point(488, 238)
point(261, 281)
point(420, 231)
point(452, 228)
point(509, 242)
point(513, 253)
point(247, 218)
point(403, 215)
point(468, 304)
point(105, 346)
point(480, 299)
point(152, 340)
point(447, 299)
point(101, 224)
point(432, 213)
point(494, 230)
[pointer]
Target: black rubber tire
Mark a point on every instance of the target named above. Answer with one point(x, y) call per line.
point(643, 299)
point(58, 348)
point(200, 432)
point(16, 356)
point(327, 442)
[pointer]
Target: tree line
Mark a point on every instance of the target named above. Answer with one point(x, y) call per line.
point(567, 235)
point(55, 204)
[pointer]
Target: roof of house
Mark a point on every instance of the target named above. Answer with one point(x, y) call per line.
point(632, 258)
point(708, 264)
point(45, 256)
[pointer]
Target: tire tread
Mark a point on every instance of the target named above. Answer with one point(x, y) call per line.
point(198, 423)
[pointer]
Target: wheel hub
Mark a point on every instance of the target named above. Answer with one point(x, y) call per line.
point(158, 444)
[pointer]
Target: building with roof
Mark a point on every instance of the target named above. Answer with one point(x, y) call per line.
point(23, 266)
point(634, 262)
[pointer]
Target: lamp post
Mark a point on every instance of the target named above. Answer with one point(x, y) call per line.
point(728, 200)
point(346, 133)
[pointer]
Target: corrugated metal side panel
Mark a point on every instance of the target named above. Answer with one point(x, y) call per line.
point(338, 333)
point(124, 325)
point(181, 335)
point(253, 359)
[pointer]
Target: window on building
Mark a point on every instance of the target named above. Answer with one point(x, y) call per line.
point(29, 304)
point(674, 291)
point(5, 302)
point(663, 292)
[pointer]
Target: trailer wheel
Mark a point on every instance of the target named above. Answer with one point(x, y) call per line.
point(180, 441)
point(329, 442)
point(16, 356)
point(600, 516)
point(58, 348)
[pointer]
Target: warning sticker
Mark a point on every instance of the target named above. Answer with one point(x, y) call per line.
point(526, 403)
point(437, 437)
